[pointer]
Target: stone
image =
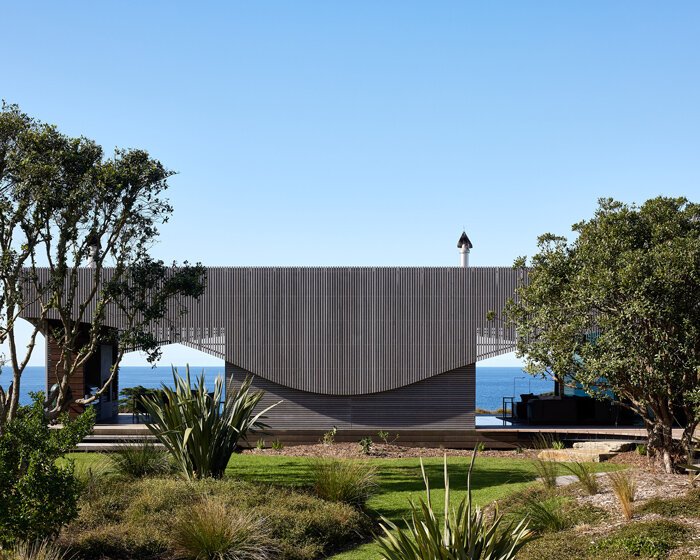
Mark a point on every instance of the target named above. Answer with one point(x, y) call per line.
point(606, 446)
point(574, 455)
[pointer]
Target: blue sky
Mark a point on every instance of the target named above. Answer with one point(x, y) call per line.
point(368, 133)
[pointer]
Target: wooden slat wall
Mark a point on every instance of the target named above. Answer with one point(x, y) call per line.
point(443, 402)
point(343, 330)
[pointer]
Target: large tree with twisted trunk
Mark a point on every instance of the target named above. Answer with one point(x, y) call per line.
point(617, 313)
point(64, 206)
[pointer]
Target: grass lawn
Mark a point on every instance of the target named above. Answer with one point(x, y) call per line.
point(399, 480)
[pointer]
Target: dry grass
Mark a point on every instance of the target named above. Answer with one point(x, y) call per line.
point(343, 480)
point(625, 489)
point(212, 531)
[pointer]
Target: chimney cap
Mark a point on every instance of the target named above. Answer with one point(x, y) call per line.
point(93, 240)
point(464, 240)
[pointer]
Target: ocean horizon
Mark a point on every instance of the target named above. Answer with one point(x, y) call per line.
point(492, 383)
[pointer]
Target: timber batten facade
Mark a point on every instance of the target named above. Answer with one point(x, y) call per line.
point(357, 347)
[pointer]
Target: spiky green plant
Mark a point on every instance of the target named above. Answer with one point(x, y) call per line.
point(465, 533)
point(198, 429)
point(546, 471)
point(546, 515)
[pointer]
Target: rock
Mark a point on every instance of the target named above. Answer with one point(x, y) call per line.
point(606, 446)
point(574, 455)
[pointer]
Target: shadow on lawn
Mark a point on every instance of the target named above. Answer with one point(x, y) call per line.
point(408, 478)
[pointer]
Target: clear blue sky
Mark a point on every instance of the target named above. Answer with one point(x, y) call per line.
point(370, 133)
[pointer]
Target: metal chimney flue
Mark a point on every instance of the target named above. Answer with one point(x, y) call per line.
point(93, 245)
point(464, 245)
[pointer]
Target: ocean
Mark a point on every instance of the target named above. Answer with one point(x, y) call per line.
point(492, 383)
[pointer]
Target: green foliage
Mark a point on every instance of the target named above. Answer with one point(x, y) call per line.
point(129, 396)
point(614, 311)
point(644, 540)
point(586, 476)
point(329, 437)
point(480, 446)
point(366, 445)
point(196, 429)
point(546, 471)
point(37, 496)
point(210, 530)
point(260, 444)
point(625, 489)
point(546, 515)
point(60, 197)
point(641, 449)
point(277, 444)
point(688, 505)
point(384, 436)
point(464, 534)
point(556, 444)
point(140, 518)
point(141, 458)
point(343, 480)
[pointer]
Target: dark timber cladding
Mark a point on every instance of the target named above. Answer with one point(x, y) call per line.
point(309, 334)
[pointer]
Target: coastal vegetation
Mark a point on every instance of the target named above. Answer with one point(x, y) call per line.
point(197, 428)
point(65, 206)
point(615, 313)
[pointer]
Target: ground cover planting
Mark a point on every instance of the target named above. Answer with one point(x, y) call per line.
point(127, 517)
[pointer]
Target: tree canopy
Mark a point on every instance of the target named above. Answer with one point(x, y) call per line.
point(64, 206)
point(617, 312)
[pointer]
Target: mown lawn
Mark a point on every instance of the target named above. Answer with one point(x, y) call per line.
point(399, 480)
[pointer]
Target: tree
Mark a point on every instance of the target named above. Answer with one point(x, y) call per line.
point(75, 233)
point(617, 312)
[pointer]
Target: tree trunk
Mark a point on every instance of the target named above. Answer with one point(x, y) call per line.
point(661, 444)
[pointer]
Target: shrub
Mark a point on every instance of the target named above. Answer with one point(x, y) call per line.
point(556, 444)
point(366, 445)
point(465, 533)
point(547, 472)
point(343, 480)
point(625, 489)
point(480, 446)
point(38, 496)
point(137, 518)
point(201, 434)
point(329, 437)
point(586, 476)
point(260, 444)
point(210, 530)
point(277, 445)
point(641, 449)
point(38, 550)
point(142, 458)
point(653, 539)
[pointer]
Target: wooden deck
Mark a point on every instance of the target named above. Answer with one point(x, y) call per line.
point(494, 437)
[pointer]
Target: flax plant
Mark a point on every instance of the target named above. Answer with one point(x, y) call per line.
point(199, 430)
point(465, 533)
